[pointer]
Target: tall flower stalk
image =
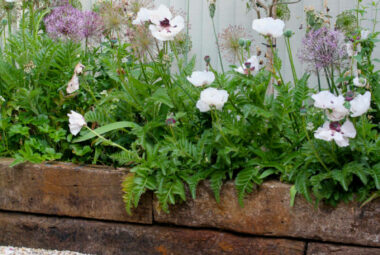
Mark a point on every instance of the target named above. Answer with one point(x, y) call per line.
point(212, 9)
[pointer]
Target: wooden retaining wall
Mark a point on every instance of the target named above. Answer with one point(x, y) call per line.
point(79, 208)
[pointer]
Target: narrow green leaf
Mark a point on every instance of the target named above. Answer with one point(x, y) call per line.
point(293, 193)
point(105, 129)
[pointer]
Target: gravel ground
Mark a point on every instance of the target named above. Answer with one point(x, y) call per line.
point(9, 250)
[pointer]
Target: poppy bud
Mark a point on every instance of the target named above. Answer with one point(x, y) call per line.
point(207, 59)
point(241, 42)
point(288, 33)
point(212, 10)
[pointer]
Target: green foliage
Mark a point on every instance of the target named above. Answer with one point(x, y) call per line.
point(143, 115)
point(346, 22)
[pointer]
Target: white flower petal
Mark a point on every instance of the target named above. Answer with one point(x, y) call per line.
point(360, 104)
point(340, 140)
point(348, 129)
point(324, 132)
point(203, 106)
point(269, 27)
point(338, 113)
point(158, 15)
point(199, 79)
point(73, 84)
point(326, 100)
point(177, 24)
point(142, 16)
point(212, 97)
point(76, 122)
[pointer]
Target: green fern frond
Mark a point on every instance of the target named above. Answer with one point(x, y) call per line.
point(127, 187)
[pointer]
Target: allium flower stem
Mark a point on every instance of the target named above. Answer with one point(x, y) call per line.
point(319, 80)
point(328, 80)
point(217, 44)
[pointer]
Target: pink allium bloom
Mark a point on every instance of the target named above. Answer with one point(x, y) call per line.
point(93, 25)
point(65, 22)
point(323, 48)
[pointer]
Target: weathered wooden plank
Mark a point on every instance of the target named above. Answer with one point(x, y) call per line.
point(67, 189)
point(331, 249)
point(268, 212)
point(114, 238)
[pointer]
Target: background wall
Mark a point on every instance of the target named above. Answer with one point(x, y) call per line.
point(234, 12)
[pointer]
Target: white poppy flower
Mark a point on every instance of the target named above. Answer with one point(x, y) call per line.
point(360, 104)
point(212, 97)
point(333, 104)
point(359, 81)
point(167, 29)
point(199, 79)
point(163, 26)
point(334, 131)
point(269, 26)
point(364, 34)
point(2, 99)
point(251, 65)
point(79, 68)
point(76, 122)
point(73, 84)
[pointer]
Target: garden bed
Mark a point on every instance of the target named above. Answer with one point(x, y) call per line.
point(80, 208)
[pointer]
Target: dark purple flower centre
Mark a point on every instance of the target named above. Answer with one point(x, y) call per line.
point(165, 23)
point(170, 121)
point(349, 96)
point(335, 126)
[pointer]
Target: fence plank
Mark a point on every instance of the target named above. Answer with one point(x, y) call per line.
point(235, 13)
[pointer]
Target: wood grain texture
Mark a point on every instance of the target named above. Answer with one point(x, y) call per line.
point(69, 190)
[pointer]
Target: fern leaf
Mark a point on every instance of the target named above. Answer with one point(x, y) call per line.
point(245, 181)
point(216, 182)
point(127, 187)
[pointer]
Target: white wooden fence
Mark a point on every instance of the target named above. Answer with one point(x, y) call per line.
point(234, 12)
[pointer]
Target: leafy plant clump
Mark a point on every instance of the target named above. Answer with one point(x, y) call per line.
point(119, 87)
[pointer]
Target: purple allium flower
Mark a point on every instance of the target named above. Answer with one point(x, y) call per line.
point(65, 22)
point(323, 48)
point(93, 25)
